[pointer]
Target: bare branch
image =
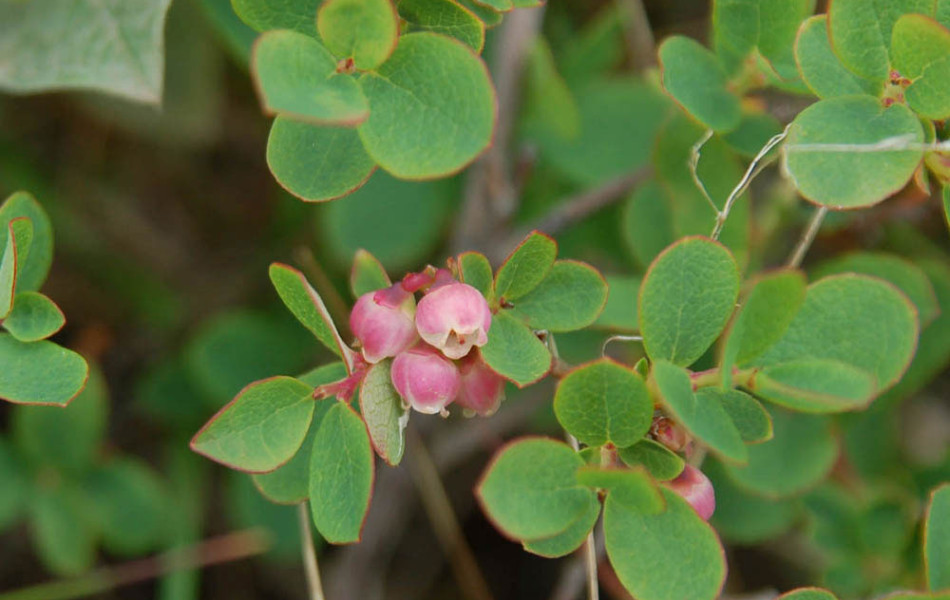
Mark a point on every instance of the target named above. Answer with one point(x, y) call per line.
point(808, 236)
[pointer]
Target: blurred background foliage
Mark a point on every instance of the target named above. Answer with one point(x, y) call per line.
point(165, 222)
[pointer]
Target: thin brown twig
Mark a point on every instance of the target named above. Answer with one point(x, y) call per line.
point(311, 568)
point(808, 237)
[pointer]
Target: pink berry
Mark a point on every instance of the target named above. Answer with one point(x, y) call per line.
point(383, 322)
point(695, 488)
point(482, 389)
point(453, 318)
point(425, 379)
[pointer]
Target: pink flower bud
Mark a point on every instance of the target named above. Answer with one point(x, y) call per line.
point(482, 389)
point(696, 489)
point(425, 379)
point(383, 322)
point(453, 318)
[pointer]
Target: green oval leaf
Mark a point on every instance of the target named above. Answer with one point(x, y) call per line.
point(819, 66)
point(650, 564)
point(264, 15)
point(920, 51)
point(315, 163)
point(342, 469)
point(696, 80)
point(800, 454)
point(686, 298)
point(63, 535)
point(861, 32)
point(571, 297)
point(475, 270)
point(937, 539)
point(261, 429)
point(433, 108)
point(445, 17)
point(34, 317)
point(604, 402)
point(744, 518)
point(8, 265)
point(530, 492)
point(131, 506)
point(526, 266)
point(878, 322)
point(29, 369)
point(33, 273)
point(514, 351)
point(364, 30)
point(633, 488)
point(648, 223)
point(367, 274)
point(750, 418)
point(818, 155)
point(297, 77)
point(817, 386)
point(808, 594)
point(660, 461)
point(384, 413)
point(701, 413)
point(570, 539)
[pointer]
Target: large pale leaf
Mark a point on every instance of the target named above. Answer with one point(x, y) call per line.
point(114, 46)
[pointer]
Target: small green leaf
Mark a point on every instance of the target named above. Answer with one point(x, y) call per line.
point(385, 415)
point(549, 108)
point(261, 429)
point(808, 594)
point(264, 15)
point(8, 270)
point(878, 322)
point(937, 540)
point(571, 297)
point(297, 77)
point(861, 32)
point(499, 5)
point(433, 108)
point(904, 274)
point(763, 317)
point(63, 534)
point(744, 518)
point(817, 386)
point(920, 51)
point(570, 539)
point(475, 270)
point(487, 15)
point(800, 454)
point(445, 17)
point(651, 564)
point(131, 505)
point(341, 475)
point(633, 488)
point(116, 48)
point(305, 304)
point(65, 440)
point(648, 223)
point(778, 26)
point(364, 30)
point(750, 418)
point(530, 492)
point(526, 266)
point(662, 463)
point(825, 171)
point(34, 317)
point(315, 163)
point(603, 402)
point(290, 483)
point(686, 298)
point(32, 275)
point(701, 413)
point(367, 274)
point(696, 80)
point(40, 372)
point(620, 312)
point(514, 351)
point(819, 66)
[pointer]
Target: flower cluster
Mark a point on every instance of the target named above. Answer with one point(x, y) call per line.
point(434, 344)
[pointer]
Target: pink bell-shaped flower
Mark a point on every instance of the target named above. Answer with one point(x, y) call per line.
point(482, 390)
point(695, 488)
point(383, 322)
point(425, 379)
point(453, 318)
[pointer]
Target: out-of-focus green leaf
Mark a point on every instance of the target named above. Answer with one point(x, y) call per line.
point(446, 17)
point(63, 529)
point(363, 30)
point(696, 80)
point(264, 15)
point(131, 505)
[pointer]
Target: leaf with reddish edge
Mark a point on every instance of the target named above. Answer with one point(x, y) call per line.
point(514, 351)
point(810, 593)
point(11, 263)
point(34, 317)
point(937, 539)
point(634, 488)
point(342, 471)
point(40, 372)
point(530, 490)
point(261, 429)
point(305, 304)
point(571, 538)
point(526, 266)
point(384, 413)
point(475, 270)
point(367, 274)
point(499, 5)
point(571, 296)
